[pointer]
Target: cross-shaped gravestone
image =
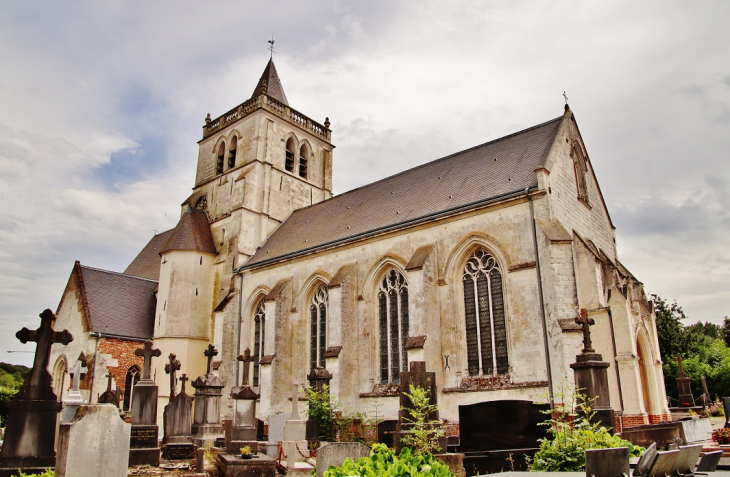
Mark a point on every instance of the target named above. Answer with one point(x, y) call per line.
point(209, 353)
point(246, 358)
point(183, 379)
point(109, 382)
point(44, 336)
point(679, 360)
point(170, 369)
point(585, 323)
point(76, 371)
point(147, 352)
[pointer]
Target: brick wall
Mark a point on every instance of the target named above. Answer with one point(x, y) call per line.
point(123, 352)
point(451, 428)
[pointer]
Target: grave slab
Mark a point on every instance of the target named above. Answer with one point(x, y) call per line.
point(335, 453)
point(95, 442)
point(258, 466)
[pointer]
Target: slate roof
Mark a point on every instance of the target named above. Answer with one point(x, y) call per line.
point(273, 84)
point(499, 168)
point(147, 263)
point(191, 233)
point(119, 304)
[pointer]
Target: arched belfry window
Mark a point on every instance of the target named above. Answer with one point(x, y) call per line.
point(232, 153)
point(486, 333)
point(289, 163)
point(580, 168)
point(393, 321)
point(303, 158)
point(221, 158)
point(133, 375)
point(259, 330)
point(318, 328)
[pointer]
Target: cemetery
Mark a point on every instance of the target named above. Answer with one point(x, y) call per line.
point(74, 437)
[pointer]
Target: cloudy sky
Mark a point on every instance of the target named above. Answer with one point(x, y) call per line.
point(102, 104)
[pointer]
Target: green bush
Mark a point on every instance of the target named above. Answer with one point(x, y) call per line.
point(47, 473)
point(423, 434)
point(384, 462)
point(571, 434)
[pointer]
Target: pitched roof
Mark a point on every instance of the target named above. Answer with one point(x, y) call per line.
point(499, 168)
point(191, 233)
point(270, 84)
point(118, 304)
point(147, 263)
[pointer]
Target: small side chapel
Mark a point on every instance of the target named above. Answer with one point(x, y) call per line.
point(477, 263)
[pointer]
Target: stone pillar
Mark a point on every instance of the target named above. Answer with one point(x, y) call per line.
point(207, 425)
point(684, 386)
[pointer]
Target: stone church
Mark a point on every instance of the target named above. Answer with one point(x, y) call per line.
point(476, 263)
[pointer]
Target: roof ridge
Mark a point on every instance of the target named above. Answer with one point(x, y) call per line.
point(117, 273)
point(430, 162)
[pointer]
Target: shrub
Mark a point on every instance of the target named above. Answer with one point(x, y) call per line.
point(423, 433)
point(571, 434)
point(384, 462)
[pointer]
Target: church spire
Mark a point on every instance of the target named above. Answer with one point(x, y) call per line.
point(270, 84)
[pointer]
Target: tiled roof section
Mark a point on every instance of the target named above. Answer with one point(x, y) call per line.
point(484, 172)
point(119, 304)
point(191, 233)
point(270, 84)
point(147, 263)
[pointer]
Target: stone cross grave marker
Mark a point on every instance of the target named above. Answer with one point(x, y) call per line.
point(246, 358)
point(586, 323)
point(679, 361)
point(210, 353)
point(74, 398)
point(170, 369)
point(76, 371)
point(147, 352)
point(109, 396)
point(183, 379)
point(45, 337)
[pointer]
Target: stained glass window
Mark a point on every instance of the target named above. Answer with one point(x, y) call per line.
point(486, 333)
point(318, 328)
point(393, 321)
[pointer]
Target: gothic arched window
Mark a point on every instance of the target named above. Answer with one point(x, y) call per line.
point(59, 377)
point(232, 153)
point(289, 164)
point(133, 375)
point(580, 168)
point(486, 333)
point(393, 324)
point(303, 158)
point(221, 158)
point(259, 324)
point(318, 328)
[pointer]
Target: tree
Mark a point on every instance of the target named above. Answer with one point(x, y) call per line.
point(672, 338)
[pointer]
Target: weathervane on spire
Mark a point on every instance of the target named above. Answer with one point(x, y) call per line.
point(271, 45)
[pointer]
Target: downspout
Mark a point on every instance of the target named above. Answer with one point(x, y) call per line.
point(238, 333)
point(618, 375)
point(542, 302)
point(96, 335)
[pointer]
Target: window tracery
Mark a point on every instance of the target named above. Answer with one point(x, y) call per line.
point(259, 332)
point(486, 333)
point(133, 375)
point(318, 328)
point(393, 324)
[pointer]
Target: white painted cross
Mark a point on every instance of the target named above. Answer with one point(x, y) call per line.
point(76, 371)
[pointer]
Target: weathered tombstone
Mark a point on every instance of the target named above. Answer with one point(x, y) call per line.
point(242, 429)
point(319, 378)
point(109, 396)
point(418, 377)
point(706, 393)
point(178, 420)
point(207, 425)
point(683, 385)
point(663, 464)
point(608, 462)
point(144, 448)
point(591, 375)
point(171, 368)
point(294, 442)
point(335, 453)
point(74, 399)
point(646, 461)
point(31, 429)
point(276, 433)
point(95, 442)
point(709, 462)
point(687, 459)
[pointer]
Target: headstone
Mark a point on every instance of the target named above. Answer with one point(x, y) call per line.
point(418, 377)
point(95, 443)
point(706, 393)
point(319, 378)
point(687, 458)
point(246, 359)
point(144, 448)
point(591, 375)
point(178, 418)
point(109, 396)
point(646, 461)
point(663, 464)
point(31, 428)
point(335, 453)
point(608, 462)
point(683, 385)
point(497, 425)
point(170, 368)
point(294, 442)
point(207, 425)
point(709, 461)
point(74, 399)
point(276, 433)
point(695, 430)
point(242, 429)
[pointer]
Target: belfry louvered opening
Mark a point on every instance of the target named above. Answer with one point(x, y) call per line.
point(486, 333)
